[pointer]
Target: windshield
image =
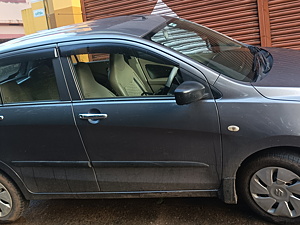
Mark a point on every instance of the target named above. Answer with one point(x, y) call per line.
point(216, 51)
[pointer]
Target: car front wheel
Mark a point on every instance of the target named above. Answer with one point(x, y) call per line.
point(270, 185)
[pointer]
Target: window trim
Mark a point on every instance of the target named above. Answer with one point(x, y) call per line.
point(145, 47)
point(68, 50)
point(48, 52)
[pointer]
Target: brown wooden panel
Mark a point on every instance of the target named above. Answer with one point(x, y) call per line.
point(235, 18)
point(264, 23)
point(285, 23)
point(108, 8)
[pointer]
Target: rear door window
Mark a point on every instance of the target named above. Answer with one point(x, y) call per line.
point(28, 81)
point(9, 70)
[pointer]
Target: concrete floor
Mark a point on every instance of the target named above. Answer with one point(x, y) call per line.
point(172, 211)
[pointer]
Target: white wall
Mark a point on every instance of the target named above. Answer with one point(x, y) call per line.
point(10, 13)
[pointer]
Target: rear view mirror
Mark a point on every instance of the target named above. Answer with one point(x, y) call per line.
point(188, 92)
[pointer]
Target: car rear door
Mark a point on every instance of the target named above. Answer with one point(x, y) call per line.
point(39, 139)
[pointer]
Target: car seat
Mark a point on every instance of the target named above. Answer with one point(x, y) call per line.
point(89, 86)
point(123, 79)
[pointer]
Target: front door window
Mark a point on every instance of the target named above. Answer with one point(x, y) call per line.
point(107, 72)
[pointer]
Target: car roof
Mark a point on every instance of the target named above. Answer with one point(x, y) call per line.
point(134, 25)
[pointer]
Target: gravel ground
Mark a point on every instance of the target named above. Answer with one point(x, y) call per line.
point(172, 211)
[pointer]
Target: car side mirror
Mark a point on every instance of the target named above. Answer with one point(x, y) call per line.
point(188, 92)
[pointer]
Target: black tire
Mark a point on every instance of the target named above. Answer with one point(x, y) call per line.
point(267, 185)
point(12, 202)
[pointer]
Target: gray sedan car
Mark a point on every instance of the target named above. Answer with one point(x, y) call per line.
point(149, 106)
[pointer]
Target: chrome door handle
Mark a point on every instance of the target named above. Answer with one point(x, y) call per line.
point(91, 116)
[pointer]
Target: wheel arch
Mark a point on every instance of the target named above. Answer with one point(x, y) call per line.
point(15, 178)
point(288, 149)
point(268, 183)
point(228, 190)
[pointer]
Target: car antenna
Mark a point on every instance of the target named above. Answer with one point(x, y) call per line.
point(140, 16)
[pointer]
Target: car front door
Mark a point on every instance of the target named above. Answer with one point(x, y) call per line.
point(39, 139)
point(141, 141)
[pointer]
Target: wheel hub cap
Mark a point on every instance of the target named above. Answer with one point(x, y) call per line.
point(5, 201)
point(277, 191)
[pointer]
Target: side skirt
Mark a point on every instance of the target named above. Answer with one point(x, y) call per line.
point(112, 195)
